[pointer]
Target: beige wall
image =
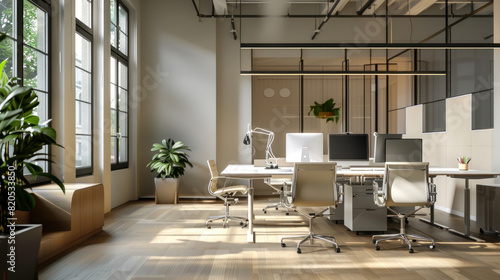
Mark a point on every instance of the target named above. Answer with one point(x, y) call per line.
point(178, 89)
point(441, 149)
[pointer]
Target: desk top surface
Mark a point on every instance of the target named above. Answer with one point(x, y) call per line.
point(250, 171)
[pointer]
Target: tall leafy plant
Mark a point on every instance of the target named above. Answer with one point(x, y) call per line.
point(22, 139)
point(170, 159)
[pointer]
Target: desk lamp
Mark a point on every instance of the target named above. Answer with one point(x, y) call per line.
point(269, 149)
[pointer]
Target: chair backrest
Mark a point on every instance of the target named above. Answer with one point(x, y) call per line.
point(407, 183)
point(313, 184)
point(212, 185)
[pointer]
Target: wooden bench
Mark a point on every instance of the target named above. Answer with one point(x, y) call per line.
point(67, 219)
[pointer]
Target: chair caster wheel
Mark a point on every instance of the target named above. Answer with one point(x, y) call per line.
point(373, 241)
point(414, 240)
point(241, 223)
point(432, 246)
point(377, 248)
point(337, 250)
point(209, 227)
point(411, 250)
point(283, 245)
point(299, 251)
point(265, 212)
point(287, 213)
point(276, 208)
point(481, 231)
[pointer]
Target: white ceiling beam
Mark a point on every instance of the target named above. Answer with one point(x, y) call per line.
point(339, 7)
point(418, 6)
point(220, 7)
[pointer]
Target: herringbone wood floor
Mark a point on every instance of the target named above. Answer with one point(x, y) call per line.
point(142, 240)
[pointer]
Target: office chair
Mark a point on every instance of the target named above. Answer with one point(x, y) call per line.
point(313, 185)
point(226, 193)
point(404, 184)
point(279, 183)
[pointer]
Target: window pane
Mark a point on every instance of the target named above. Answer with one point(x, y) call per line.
point(83, 154)
point(397, 121)
point(8, 51)
point(6, 18)
point(42, 110)
point(112, 72)
point(113, 35)
point(123, 43)
point(113, 11)
point(113, 150)
point(83, 52)
point(83, 118)
point(113, 122)
point(35, 69)
point(123, 20)
point(122, 124)
point(482, 110)
point(83, 11)
point(123, 156)
point(123, 100)
point(34, 22)
point(123, 76)
point(435, 116)
point(112, 96)
point(471, 71)
point(83, 86)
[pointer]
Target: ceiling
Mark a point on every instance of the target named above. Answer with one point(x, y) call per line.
point(339, 8)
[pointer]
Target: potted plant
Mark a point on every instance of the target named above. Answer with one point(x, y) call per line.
point(326, 111)
point(169, 162)
point(22, 138)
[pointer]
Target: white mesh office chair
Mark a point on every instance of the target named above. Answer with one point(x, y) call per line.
point(313, 185)
point(404, 184)
point(226, 193)
point(279, 183)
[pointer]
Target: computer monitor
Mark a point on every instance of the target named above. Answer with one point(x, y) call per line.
point(348, 147)
point(379, 147)
point(304, 147)
point(403, 150)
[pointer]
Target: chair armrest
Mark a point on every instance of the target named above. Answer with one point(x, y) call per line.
point(340, 193)
point(432, 193)
point(379, 193)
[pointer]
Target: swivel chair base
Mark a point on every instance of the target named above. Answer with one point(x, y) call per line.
point(226, 217)
point(281, 202)
point(311, 236)
point(402, 235)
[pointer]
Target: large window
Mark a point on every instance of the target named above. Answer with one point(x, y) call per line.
point(119, 85)
point(83, 87)
point(27, 49)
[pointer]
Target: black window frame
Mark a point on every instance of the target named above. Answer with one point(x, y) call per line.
point(86, 32)
point(18, 64)
point(120, 57)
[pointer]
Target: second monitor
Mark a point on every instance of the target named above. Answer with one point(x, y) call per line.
point(348, 147)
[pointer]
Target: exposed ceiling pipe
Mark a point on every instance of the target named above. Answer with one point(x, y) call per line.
point(366, 6)
point(317, 31)
point(196, 8)
point(458, 21)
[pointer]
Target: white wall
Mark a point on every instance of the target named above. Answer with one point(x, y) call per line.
point(177, 89)
point(234, 99)
point(441, 149)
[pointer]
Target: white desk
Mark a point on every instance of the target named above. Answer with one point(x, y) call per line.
point(248, 171)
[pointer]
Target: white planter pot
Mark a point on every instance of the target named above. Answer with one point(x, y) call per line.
point(25, 254)
point(166, 190)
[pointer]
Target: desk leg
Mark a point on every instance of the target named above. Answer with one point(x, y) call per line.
point(250, 232)
point(431, 221)
point(466, 234)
